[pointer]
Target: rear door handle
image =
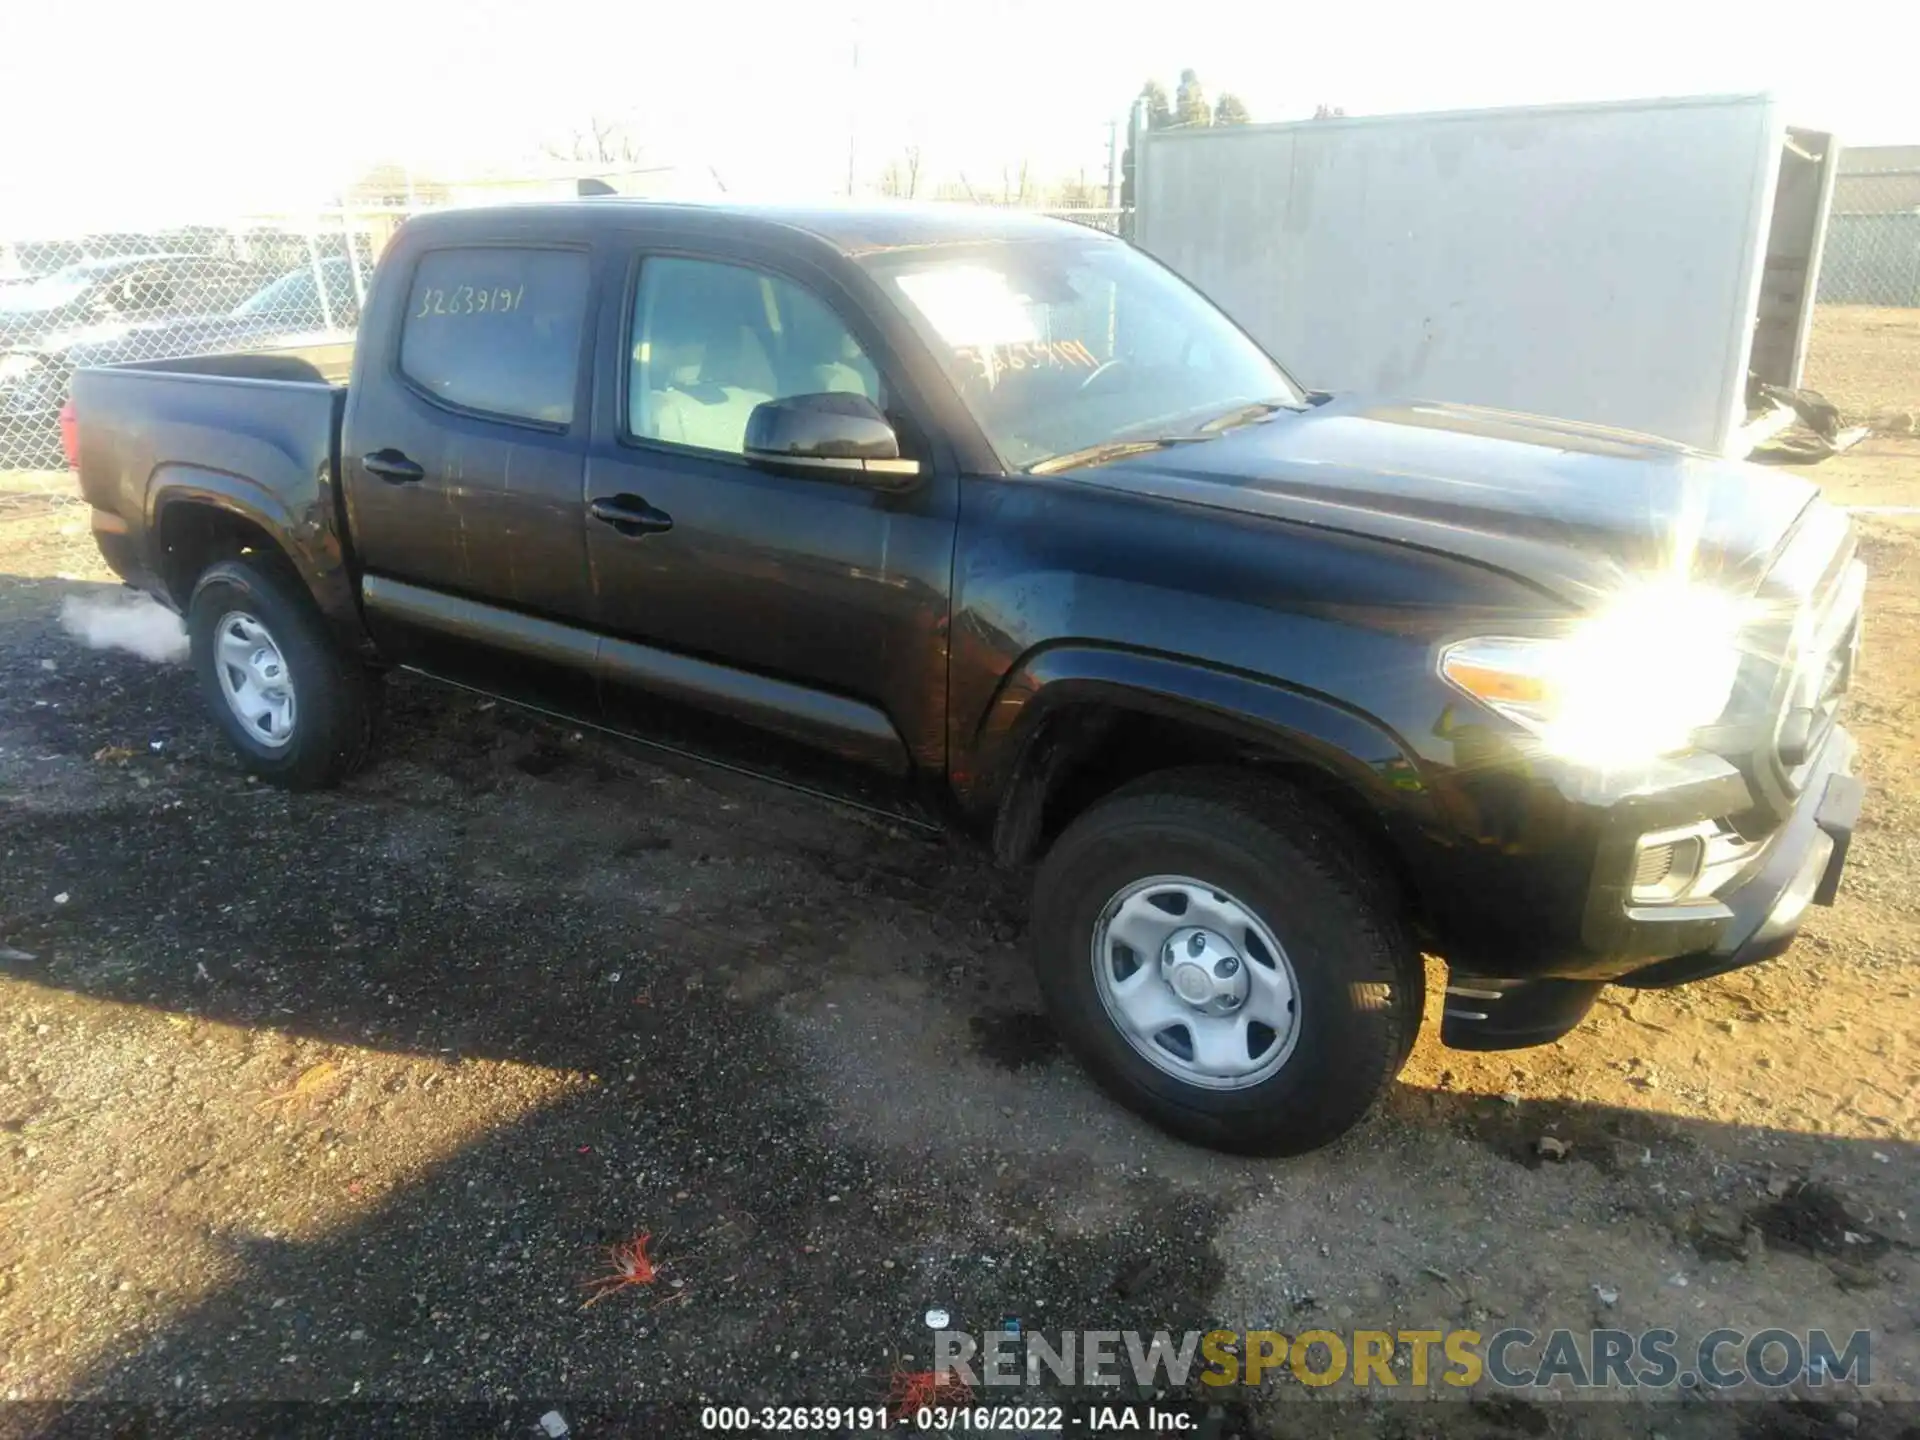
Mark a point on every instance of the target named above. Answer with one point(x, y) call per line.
point(630, 515)
point(392, 467)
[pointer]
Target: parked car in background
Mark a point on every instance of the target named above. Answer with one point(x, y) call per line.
point(299, 301)
point(35, 378)
point(126, 289)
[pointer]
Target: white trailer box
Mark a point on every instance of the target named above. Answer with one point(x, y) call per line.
point(1626, 264)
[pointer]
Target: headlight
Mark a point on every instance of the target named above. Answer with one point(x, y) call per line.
point(1629, 683)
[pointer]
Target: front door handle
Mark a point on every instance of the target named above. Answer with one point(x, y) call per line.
point(393, 467)
point(630, 515)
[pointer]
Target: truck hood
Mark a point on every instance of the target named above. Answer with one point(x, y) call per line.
point(1570, 509)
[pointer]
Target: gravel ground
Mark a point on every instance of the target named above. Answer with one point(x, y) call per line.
point(347, 1097)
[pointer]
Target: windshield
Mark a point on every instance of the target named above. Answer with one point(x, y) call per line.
point(1069, 345)
point(49, 292)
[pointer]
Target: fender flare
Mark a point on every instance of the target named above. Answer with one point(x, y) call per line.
point(306, 538)
point(1356, 751)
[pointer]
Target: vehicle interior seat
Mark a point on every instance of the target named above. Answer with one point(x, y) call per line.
point(702, 392)
point(850, 372)
point(723, 340)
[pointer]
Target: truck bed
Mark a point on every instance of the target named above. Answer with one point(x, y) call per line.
point(327, 364)
point(256, 436)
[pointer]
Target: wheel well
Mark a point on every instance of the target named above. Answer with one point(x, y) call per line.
point(194, 535)
point(1085, 752)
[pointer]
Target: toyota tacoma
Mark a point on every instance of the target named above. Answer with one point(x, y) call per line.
point(993, 523)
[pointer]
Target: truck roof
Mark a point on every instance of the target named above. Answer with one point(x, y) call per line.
point(853, 228)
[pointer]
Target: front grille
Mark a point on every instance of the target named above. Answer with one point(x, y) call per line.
point(1799, 648)
point(1826, 651)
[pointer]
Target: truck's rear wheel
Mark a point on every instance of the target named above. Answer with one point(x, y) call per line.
point(295, 708)
point(1223, 960)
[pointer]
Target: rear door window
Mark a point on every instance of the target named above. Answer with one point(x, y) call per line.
point(497, 330)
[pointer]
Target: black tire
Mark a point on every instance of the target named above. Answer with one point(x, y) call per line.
point(332, 726)
point(1299, 869)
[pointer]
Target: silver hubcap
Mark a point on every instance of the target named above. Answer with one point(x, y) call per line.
point(254, 678)
point(1196, 982)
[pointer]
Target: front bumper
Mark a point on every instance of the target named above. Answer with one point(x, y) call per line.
point(1752, 919)
point(1802, 867)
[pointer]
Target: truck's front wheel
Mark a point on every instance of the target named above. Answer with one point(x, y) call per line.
point(1224, 961)
point(295, 708)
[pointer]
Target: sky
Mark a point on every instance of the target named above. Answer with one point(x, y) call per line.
point(150, 111)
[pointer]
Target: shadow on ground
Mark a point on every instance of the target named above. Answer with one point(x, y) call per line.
point(800, 1051)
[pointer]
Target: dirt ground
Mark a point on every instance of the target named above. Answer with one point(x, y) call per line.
point(1866, 360)
point(345, 1097)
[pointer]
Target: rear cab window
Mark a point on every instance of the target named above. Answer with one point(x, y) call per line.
point(496, 330)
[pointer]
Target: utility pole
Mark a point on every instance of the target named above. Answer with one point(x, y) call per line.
point(853, 108)
point(1113, 164)
point(1138, 143)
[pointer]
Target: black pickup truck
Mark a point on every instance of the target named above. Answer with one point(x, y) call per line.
point(991, 522)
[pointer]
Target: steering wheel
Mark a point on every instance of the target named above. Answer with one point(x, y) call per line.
point(1105, 368)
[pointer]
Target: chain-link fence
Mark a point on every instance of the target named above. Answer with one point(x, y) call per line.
point(263, 283)
point(108, 298)
point(98, 299)
point(1113, 220)
point(1872, 250)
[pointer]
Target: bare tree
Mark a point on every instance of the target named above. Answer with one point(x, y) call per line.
point(1075, 194)
point(603, 140)
point(900, 179)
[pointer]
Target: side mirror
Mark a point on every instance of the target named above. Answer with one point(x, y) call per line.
point(835, 435)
